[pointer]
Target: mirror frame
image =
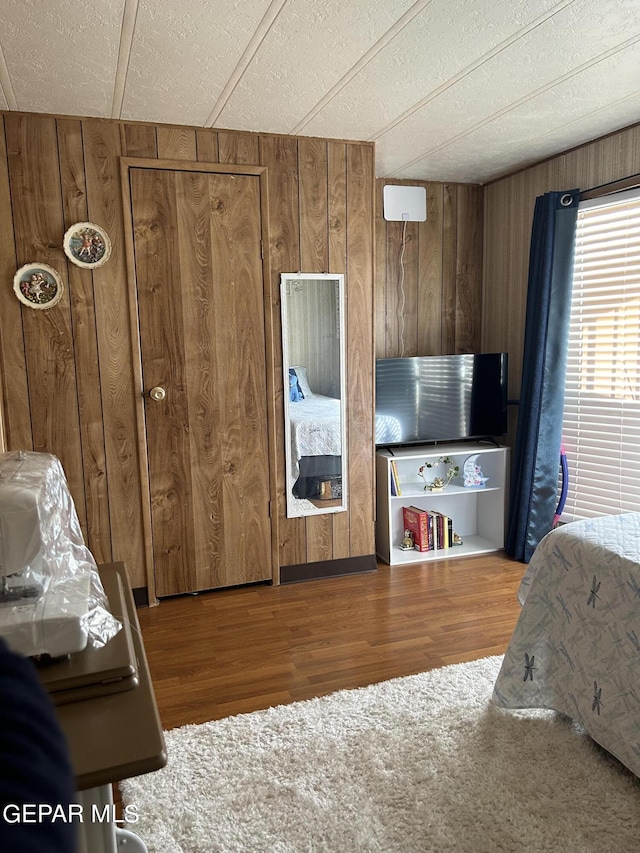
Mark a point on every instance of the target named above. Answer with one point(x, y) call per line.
point(302, 507)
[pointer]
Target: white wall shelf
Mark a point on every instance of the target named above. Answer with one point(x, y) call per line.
point(478, 513)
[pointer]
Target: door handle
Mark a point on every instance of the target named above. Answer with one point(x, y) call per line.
point(157, 393)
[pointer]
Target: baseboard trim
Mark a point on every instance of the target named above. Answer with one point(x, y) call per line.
point(328, 569)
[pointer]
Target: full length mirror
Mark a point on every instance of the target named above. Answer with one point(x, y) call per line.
point(313, 352)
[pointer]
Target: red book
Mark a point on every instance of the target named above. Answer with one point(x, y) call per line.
point(419, 523)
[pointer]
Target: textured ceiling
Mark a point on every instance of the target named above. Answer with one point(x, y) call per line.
point(462, 90)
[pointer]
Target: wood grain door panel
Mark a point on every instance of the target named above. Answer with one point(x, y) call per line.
point(201, 313)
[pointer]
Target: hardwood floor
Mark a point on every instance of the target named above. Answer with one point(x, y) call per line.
point(238, 650)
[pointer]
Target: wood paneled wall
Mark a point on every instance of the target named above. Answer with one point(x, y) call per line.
point(429, 290)
point(508, 215)
point(67, 378)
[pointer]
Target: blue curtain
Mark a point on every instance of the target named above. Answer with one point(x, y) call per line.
point(536, 458)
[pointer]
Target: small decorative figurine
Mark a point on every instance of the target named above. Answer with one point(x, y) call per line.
point(456, 539)
point(473, 476)
point(407, 542)
point(439, 483)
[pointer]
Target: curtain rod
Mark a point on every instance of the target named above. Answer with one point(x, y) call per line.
point(613, 187)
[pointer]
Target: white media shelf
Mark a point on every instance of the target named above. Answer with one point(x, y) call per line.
point(478, 512)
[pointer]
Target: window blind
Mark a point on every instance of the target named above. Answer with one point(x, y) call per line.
point(601, 424)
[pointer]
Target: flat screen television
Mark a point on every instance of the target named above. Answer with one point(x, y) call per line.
point(441, 398)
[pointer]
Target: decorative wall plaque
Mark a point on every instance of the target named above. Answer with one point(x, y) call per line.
point(87, 245)
point(38, 285)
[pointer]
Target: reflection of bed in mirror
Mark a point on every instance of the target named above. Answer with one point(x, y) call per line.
point(313, 356)
point(316, 440)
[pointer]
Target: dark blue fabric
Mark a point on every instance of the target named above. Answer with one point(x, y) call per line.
point(35, 767)
point(536, 457)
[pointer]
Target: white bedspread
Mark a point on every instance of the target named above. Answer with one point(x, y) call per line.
point(315, 427)
point(576, 646)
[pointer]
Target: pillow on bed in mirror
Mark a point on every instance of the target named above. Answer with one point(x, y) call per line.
point(295, 394)
point(301, 373)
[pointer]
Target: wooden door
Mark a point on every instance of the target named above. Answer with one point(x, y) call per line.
point(197, 246)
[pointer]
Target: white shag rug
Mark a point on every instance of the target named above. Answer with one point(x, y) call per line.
point(423, 763)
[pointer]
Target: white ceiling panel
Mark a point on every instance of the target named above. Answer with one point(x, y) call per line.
point(62, 55)
point(4, 103)
point(580, 106)
point(466, 158)
point(311, 46)
point(408, 71)
point(528, 71)
point(183, 54)
point(460, 91)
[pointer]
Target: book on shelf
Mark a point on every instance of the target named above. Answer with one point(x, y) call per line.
point(431, 530)
point(395, 479)
point(420, 523)
point(444, 529)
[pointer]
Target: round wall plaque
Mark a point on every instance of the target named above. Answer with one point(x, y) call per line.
point(38, 285)
point(87, 245)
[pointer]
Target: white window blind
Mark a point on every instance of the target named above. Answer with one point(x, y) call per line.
point(601, 429)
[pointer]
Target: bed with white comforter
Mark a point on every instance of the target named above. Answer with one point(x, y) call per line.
point(576, 645)
point(315, 427)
